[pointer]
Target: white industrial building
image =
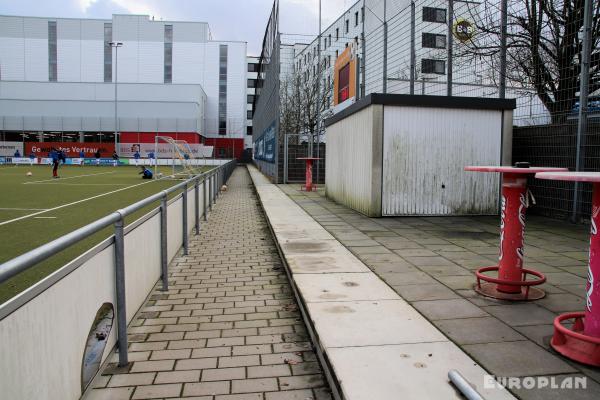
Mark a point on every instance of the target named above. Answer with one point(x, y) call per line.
point(57, 81)
point(251, 92)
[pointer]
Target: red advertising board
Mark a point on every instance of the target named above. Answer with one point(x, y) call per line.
point(71, 149)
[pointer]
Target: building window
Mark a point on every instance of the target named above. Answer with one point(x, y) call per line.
point(362, 14)
point(431, 14)
point(337, 34)
point(249, 130)
point(429, 66)
point(250, 99)
point(107, 52)
point(249, 114)
point(52, 60)
point(223, 89)
point(329, 40)
point(251, 83)
point(337, 52)
point(347, 26)
point(252, 67)
point(356, 39)
point(168, 59)
point(356, 18)
point(344, 83)
point(433, 41)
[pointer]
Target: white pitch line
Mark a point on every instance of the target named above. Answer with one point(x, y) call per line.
point(44, 217)
point(70, 177)
point(81, 184)
point(73, 203)
point(22, 209)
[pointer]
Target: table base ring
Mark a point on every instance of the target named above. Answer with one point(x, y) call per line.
point(489, 287)
point(572, 343)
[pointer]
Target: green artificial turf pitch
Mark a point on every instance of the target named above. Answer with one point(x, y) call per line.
point(37, 209)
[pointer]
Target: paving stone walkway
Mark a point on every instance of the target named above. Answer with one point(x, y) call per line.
point(228, 328)
point(430, 261)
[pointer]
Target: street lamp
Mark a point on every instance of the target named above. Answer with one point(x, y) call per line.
point(116, 45)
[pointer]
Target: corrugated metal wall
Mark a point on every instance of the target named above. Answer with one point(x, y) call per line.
point(424, 157)
point(353, 175)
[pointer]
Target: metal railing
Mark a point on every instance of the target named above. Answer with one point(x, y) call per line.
point(212, 181)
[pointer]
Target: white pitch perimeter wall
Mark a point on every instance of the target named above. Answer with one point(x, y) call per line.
point(42, 342)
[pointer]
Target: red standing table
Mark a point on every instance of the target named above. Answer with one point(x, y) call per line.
point(512, 282)
point(309, 162)
point(582, 341)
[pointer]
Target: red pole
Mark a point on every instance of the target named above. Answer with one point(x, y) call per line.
point(512, 227)
point(309, 175)
point(592, 289)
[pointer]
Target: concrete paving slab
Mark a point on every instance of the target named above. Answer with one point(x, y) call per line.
point(446, 270)
point(343, 287)
point(521, 314)
point(449, 309)
point(540, 334)
point(295, 232)
point(368, 323)
point(339, 260)
point(410, 371)
point(456, 282)
point(368, 249)
point(563, 302)
point(395, 267)
point(477, 330)
point(407, 278)
point(434, 291)
point(532, 359)
point(308, 246)
point(591, 390)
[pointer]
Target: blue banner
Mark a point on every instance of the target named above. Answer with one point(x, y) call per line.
point(264, 146)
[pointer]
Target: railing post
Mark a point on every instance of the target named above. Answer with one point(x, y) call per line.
point(204, 202)
point(197, 205)
point(184, 214)
point(216, 184)
point(120, 289)
point(220, 184)
point(210, 193)
point(215, 189)
point(164, 263)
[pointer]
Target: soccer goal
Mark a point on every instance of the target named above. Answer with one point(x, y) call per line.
point(181, 161)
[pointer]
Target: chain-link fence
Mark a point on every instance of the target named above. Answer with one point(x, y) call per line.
point(543, 53)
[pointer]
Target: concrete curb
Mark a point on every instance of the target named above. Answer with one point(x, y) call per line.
point(371, 343)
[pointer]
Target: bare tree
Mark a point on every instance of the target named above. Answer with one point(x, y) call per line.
point(290, 120)
point(544, 48)
point(305, 99)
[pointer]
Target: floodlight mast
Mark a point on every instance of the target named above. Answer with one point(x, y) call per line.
point(116, 46)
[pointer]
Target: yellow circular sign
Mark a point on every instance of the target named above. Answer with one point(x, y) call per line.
point(463, 30)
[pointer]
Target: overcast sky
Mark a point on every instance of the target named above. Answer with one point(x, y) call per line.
point(243, 20)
